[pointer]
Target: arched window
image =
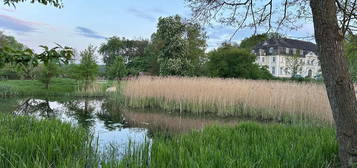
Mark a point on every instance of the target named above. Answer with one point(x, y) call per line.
point(309, 73)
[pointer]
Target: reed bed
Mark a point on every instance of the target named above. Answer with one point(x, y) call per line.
point(244, 145)
point(230, 97)
point(26, 142)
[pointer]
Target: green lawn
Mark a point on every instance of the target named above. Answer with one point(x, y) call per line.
point(58, 87)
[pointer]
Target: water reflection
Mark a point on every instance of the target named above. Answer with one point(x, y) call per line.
point(104, 120)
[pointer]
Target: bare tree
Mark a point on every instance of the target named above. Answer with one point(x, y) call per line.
point(332, 20)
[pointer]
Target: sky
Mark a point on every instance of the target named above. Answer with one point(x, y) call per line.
point(84, 22)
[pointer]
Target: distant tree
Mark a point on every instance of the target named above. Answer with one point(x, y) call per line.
point(51, 59)
point(250, 42)
point(233, 62)
point(117, 70)
point(126, 48)
point(88, 68)
point(181, 46)
point(294, 65)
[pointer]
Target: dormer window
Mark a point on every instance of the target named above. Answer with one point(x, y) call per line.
point(294, 51)
point(287, 50)
point(271, 50)
point(265, 43)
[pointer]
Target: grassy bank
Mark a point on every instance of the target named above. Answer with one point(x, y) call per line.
point(244, 145)
point(27, 142)
point(231, 97)
point(58, 87)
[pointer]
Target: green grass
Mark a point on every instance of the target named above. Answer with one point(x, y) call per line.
point(28, 142)
point(245, 145)
point(58, 87)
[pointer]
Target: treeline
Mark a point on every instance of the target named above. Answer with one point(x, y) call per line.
point(177, 48)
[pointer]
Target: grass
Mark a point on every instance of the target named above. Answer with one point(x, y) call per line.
point(58, 87)
point(231, 97)
point(28, 142)
point(244, 145)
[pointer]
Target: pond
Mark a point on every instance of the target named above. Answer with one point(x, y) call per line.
point(112, 126)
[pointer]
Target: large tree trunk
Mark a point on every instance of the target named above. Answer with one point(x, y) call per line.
point(337, 78)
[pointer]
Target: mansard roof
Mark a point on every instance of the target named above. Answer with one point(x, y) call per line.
point(287, 43)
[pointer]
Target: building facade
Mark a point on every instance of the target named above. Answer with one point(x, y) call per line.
point(285, 57)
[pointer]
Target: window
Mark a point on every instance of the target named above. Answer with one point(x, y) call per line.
point(301, 52)
point(294, 51)
point(274, 59)
point(263, 59)
point(281, 70)
point(273, 70)
point(271, 50)
point(287, 51)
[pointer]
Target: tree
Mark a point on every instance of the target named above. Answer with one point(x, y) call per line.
point(126, 48)
point(294, 65)
point(332, 20)
point(233, 62)
point(117, 70)
point(88, 68)
point(250, 42)
point(181, 46)
point(51, 58)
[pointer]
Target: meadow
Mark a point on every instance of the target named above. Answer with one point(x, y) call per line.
point(266, 100)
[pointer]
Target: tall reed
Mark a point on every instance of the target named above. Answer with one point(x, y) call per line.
point(230, 97)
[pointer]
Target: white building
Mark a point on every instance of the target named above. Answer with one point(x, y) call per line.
point(282, 56)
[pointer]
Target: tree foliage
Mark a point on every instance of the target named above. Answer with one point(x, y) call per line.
point(51, 59)
point(126, 48)
point(88, 68)
point(55, 3)
point(250, 42)
point(233, 62)
point(117, 70)
point(180, 44)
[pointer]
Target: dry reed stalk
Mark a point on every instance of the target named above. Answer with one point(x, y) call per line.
point(281, 98)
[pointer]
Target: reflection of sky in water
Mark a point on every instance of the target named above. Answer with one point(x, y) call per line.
point(107, 126)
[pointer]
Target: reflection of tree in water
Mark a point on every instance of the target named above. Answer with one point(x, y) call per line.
point(83, 114)
point(112, 117)
point(40, 108)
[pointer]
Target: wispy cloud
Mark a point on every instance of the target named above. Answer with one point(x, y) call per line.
point(86, 32)
point(8, 22)
point(22, 26)
point(142, 14)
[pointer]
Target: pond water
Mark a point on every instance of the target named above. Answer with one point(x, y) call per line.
point(111, 126)
point(107, 125)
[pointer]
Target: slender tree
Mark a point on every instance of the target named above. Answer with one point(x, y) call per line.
point(88, 68)
point(332, 20)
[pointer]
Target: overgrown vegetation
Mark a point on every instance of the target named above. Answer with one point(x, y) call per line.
point(244, 145)
point(28, 142)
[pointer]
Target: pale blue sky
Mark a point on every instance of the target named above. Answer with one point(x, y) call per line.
point(84, 22)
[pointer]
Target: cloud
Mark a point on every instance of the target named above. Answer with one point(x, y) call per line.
point(8, 22)
point(86, 32)
point(142, 14)
point(22, 26)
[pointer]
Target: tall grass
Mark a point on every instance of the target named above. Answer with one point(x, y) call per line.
point(245, 145)
point(27, 143)
point(230, 97)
